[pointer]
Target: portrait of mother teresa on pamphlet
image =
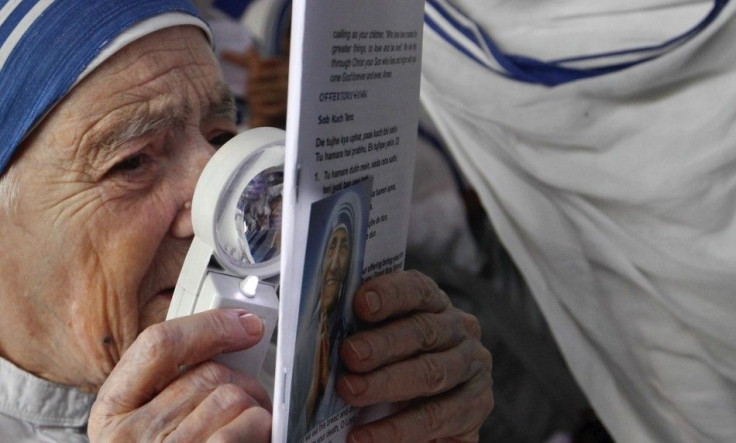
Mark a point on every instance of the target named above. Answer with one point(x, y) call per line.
point(335, 261)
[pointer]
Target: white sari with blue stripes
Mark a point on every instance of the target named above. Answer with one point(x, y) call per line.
point(601, 137)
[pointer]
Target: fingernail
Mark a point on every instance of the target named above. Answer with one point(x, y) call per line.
point(373, 302)
point(362, 348)
point(361, 437)
point(252, 323)
point(357, 386)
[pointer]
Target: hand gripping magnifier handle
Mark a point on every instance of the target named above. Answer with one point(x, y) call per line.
point(233, 261)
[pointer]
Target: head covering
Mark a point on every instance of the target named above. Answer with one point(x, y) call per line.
point(48, 46)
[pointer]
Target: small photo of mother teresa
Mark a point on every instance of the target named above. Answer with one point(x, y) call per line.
point(336, 241)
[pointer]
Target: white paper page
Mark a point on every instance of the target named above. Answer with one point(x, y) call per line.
point(353, 107)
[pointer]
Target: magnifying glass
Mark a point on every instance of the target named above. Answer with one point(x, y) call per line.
point(233, 261)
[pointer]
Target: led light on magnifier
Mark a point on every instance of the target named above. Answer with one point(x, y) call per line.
point(249, 286)
point(233, 261)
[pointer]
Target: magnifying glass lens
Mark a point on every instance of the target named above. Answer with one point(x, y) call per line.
point(258, 216)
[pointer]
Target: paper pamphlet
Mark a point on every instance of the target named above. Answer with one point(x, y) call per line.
point(350, 146)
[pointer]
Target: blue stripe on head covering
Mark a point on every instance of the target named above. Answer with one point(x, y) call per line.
point(463, 33)
point(7, 26)
point(50, 55)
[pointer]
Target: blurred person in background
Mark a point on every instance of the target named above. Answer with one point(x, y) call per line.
point(599, 138)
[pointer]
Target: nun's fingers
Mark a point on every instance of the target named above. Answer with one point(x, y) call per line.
point(146, 393)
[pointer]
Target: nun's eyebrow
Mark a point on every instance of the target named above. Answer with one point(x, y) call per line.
point(139, 123)
point(142, 121)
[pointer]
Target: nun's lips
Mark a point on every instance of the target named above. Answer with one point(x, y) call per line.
point(167, 293)
point(164, 295)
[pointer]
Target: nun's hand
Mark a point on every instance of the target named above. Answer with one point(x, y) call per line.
point(148, 397)
point(420, 350)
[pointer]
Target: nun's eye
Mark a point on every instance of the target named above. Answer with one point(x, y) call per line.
point(221, 138)
point(131, 163)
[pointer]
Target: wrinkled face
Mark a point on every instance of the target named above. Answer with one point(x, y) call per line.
point(93, 250)
point(335, 266)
